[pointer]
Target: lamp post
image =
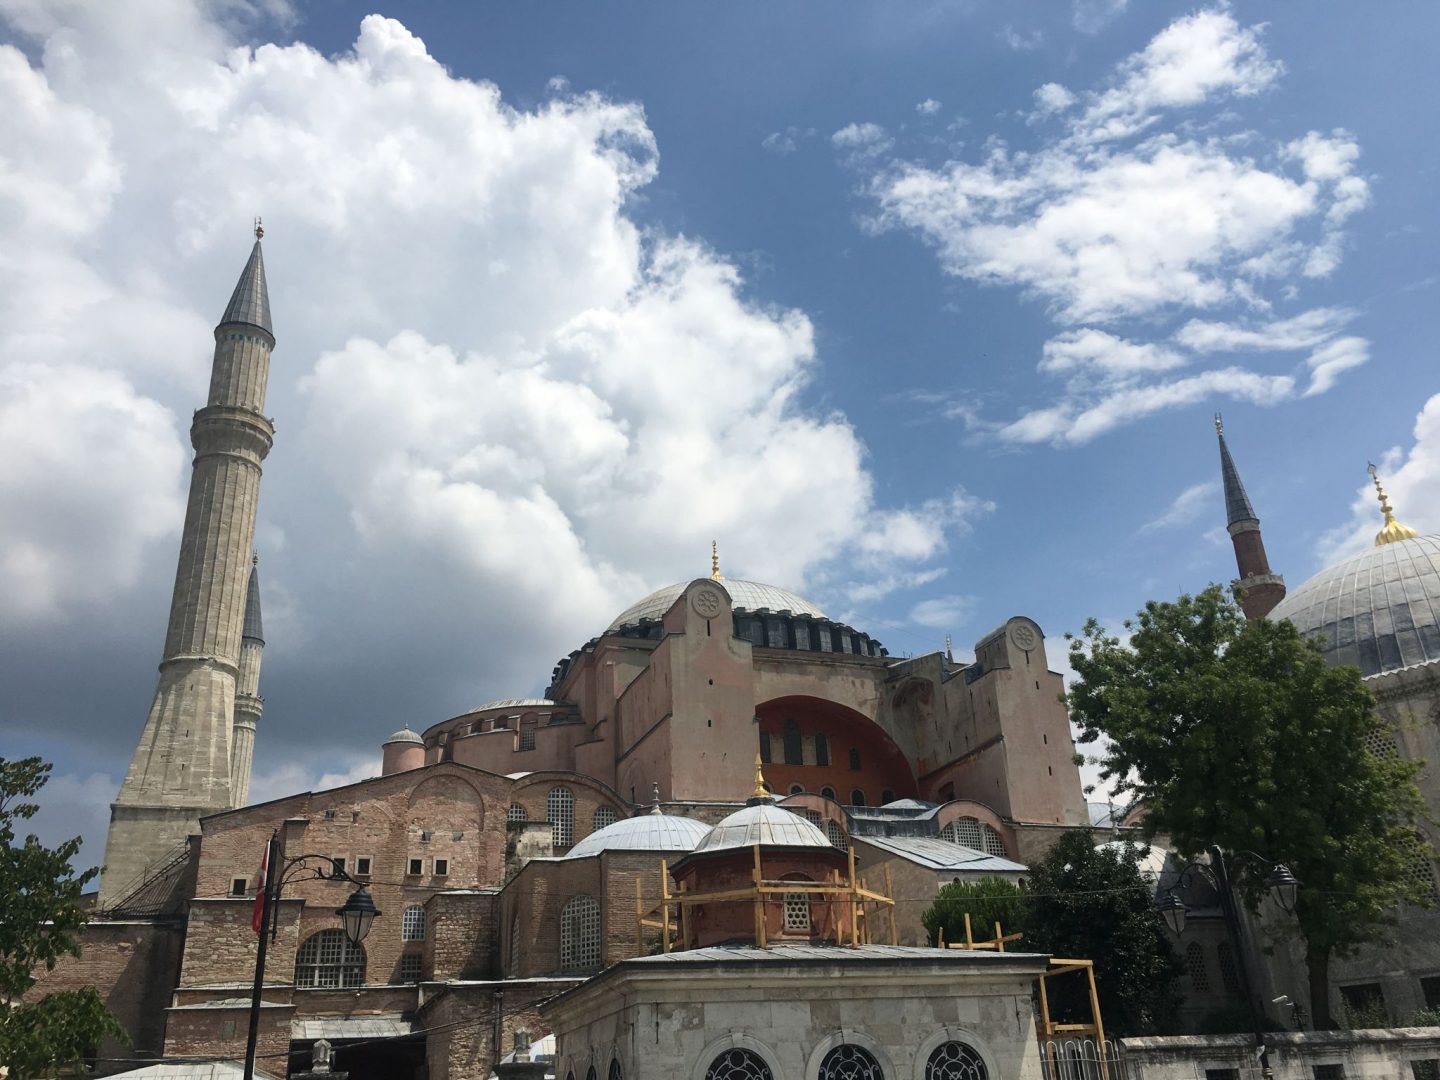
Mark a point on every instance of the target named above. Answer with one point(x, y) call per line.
point(356, 916)
point(1283, 887)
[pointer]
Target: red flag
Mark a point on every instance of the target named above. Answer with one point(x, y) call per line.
point(257, 919)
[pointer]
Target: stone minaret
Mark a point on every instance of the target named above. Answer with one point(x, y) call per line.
point(1261, 590)
point(182, 768)
point(248, 702)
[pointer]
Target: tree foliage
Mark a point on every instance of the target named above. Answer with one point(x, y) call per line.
point(1237, 733)
point(988, 901)
point(1095, 904)
point(40, 916)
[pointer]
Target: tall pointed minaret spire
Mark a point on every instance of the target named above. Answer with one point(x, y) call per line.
point(183, 769)
point(249, 705)
point(1260, 589)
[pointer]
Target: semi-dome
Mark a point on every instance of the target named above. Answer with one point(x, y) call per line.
point(765, 824)
point(404, 735)
point(744, 595)
point(1379, 610)
point(513, 703)
point(648, 832)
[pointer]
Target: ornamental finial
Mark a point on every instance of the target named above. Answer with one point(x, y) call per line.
point(715, 574)
point(760, 791)
point(655, 796)
point(1219, 425)
point(1393, 530)
point(259, 229)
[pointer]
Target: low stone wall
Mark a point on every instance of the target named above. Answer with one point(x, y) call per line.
point(1375, 1054)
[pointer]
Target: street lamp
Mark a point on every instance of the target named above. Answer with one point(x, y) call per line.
point(356, 916)
point(1283, 886)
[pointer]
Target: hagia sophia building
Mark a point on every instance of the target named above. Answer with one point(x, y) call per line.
point(517, 850)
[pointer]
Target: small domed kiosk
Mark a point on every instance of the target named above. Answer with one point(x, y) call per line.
point(401, 752)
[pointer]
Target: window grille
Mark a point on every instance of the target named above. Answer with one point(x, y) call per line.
point(848, 1062)
point(797, 912)
point(794, 751)
point(835, 835)
point(1195, 961)
point(813, 816)
point(966, 832)
point(738, 1064)
point(955, 1061)
point(1229, 971)
point(516, 815)
point(604, 816)
point(580, 934)
point(1421, 868)
point(993, 844)
point(560, 806)
point(1380, 741)
point(329, 960)
point(410, 967)
point(527, 740)
point(412, 924)
point(822, 750)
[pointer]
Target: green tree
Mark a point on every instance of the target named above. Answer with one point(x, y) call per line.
point(1094, 903)
point(1239, 734)
point(988, 901)
point(40, 915)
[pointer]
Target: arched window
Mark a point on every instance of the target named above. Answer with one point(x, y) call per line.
point(966, 832)
point(828, 791)
point(796, 789)
point(857, 797)
point(854, 759)
point(412, 924)
point(993, 844)
point(822, 749)
point(514, 946)
point(580, 934)
point(516, 815)
point(1229, 971)
point(886, 797)
point(560, 808)
point(739, 1064)
point(835, 834)
point(604, 816)
point(616, 1073)
point(329, 960)
point(591, 1074)
point(849, 1062)
point(1195, 961)
point(954, 1061)
point(794, 752)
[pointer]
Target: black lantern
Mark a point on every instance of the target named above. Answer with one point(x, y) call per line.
point(1173, 909)
point(357, 915)
point(1283, 886)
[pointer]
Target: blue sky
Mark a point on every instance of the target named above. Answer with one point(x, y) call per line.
point(920, 308)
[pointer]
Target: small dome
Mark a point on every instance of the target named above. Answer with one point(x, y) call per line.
point(767, 825)
point(647, 832)
point(1378, 610)
point(745, 595)
point(404, 735)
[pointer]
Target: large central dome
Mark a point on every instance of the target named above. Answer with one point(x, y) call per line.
point(1379, 610)
point(745, 595)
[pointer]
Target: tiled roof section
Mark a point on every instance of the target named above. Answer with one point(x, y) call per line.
point(254, 628)
point(383, 1026)
point(744, 595)
point(1237, 503)
point(936, 854)
point(250, 302)
point(1378, 610)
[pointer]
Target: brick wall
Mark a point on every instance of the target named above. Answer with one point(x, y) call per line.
point(467, 1021)
point(209, 1031)
point(460, 937)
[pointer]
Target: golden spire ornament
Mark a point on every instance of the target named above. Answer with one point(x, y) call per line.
point(715, 574)
point(760, 791)
point(1393, 531)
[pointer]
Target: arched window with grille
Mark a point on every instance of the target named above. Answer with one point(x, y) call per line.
point(835, 834)
point(797, 909)
point(966, 832)
point(604, 816)
point(849, 1062)
point(794, 750)
point(516, 815)
point(412, 924)
point(560, 809)
point(955, 1061)
point(739, 1064)
point(994, 845)
point(1229, 970)
point(1195, 961)
point(329, 960)
point(580, 934)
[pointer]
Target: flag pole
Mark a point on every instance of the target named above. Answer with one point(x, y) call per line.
point(264, 902)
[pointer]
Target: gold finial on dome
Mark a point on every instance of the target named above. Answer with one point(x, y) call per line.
point(715, 574)
point(1393, 530)
point(760, 791)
